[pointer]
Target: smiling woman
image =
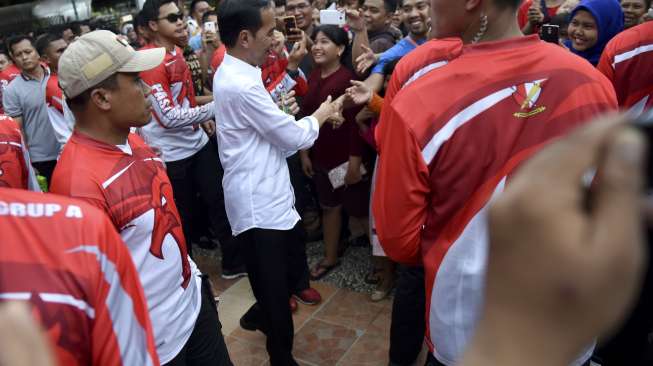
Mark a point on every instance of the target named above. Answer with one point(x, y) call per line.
point(593, 24)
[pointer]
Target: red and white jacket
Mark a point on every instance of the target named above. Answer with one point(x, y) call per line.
point(130, 184)
point(451, 134)
point(15, 167)
point(174, 129)
point(6, 76)
point(627, 61)
point(64, 257)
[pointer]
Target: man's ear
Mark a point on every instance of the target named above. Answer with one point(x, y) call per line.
point(245, 38)
point(473, 4)
point(152, 26)
point(101, 98)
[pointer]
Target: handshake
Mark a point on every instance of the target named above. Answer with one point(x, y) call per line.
point(330, 110)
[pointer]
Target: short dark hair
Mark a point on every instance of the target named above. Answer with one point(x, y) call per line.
point(390, 5)
point(43, 42)
point(17, 39)
point(511, 4)
point(205, 17)
point(235, 16)
point(194, 3)
point(151, 8)
point(139, 20)
point(79, 102)
point(279, 3)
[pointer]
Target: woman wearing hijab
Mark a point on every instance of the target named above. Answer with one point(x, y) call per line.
point(593, 24)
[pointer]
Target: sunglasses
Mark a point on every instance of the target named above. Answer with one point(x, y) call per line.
point(173, 17)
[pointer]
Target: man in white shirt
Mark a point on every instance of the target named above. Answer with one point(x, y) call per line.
point(254, 139)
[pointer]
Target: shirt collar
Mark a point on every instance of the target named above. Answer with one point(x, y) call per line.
point(242, 66)
point(46, 73)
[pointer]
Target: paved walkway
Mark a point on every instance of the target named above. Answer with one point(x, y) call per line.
point(346, 328)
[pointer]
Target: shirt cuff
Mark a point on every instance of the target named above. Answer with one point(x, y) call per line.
point(314, 123)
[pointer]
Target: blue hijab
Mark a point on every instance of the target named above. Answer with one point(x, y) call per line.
point(609, 22)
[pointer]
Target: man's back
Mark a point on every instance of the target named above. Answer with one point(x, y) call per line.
point(449, 141)
point(627, 61)
point(65, 258)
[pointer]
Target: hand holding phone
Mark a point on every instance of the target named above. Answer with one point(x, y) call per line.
point(334, 17)
point(550, 33)
point(209, 27)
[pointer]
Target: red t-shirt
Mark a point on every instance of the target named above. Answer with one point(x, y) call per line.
point(522, 15)
point(450, 136)
point(15, 168)
point(66, 259)
point(6, 76)
point(627, 61)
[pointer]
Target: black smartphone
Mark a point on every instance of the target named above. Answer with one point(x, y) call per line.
point(550, 33)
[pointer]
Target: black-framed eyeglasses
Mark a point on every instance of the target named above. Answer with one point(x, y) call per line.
point(173, 17)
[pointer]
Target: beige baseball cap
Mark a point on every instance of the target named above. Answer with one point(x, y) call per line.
point(97, 55)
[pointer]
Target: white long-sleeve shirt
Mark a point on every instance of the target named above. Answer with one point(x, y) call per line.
point(254, 139)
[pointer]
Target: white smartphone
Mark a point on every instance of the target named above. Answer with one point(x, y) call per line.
point(209, 27)
point(334, 17)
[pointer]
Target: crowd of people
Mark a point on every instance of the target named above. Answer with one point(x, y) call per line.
point(468, 154)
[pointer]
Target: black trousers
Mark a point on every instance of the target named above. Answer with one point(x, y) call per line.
point(45, 168)
point(202, 173)
point(273, 259)
point(408, 325)
point(206, 346)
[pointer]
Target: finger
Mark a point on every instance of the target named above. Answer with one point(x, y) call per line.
point(328, 99)
point(366, 49)
point(291, 101)
point(291, 94)
point(617, 216)
point(358, 83)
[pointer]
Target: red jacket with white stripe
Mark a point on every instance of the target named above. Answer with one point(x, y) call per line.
point(458, 120)
point(174, 130)
point(627, 61)
point(65, 258)
point(15, 168)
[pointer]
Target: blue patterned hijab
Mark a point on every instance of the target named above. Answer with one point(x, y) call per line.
point(609, 21)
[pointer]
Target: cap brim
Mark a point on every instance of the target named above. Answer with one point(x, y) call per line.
point(144, 60)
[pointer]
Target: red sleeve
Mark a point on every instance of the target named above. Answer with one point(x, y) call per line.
point(607, 58)
point(217, 58)
point(13, 166)
point(401, 191)
point(122, 332)
point(522, 14)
